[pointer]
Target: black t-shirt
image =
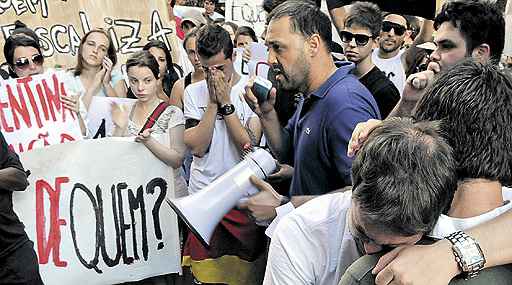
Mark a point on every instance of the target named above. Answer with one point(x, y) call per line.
point(383, 90)
point(12, 233)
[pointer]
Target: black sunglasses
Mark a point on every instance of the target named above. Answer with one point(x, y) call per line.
point(387, 26)
point(361, 39)
point(24, 62)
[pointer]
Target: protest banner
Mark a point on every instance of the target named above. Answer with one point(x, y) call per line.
point(60, 25)
point(247, 13)
point(96, 212)
point(32, 114)
point(257, 65)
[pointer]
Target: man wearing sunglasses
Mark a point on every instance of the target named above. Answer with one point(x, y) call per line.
point(464, 29)
point(359, 36)
point(390, 57)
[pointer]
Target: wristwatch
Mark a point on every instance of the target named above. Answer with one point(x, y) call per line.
point(226, 109)
point(468, 254)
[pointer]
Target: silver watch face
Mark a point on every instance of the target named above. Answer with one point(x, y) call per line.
point(470, 253)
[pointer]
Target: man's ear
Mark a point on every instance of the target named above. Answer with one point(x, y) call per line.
point(313, 44)
point(375, 42)
point(481, 53)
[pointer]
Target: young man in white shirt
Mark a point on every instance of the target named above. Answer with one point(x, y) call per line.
point(219, 126)
point(390, 57)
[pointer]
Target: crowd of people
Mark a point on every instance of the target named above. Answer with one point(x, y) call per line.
point(393, 163)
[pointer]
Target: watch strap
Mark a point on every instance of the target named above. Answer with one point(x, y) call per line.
point(469, 270)
point(226, 109)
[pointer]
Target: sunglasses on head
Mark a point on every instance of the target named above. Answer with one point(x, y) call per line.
point(387, 26)
point(24, 62)
point(361, 39)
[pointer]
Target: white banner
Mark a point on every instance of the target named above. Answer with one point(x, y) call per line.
point(247, 13)
point(96, 212)
point(31, 112)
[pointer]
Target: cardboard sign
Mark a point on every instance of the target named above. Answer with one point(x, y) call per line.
point(95, 210)
point(32, 114)
point(99, 117)
point(247, 13)
point(60, 24)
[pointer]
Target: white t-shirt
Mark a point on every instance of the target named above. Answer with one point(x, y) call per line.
point(309, 243)
point(222, 154)
point(447, 225)
point(183, 60)
point(393, 68)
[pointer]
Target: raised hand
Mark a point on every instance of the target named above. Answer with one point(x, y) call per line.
point(360, 134)
point(107, 66)
point(71, 102)
point(221, 86)
point(263, 108)
point(120, 114)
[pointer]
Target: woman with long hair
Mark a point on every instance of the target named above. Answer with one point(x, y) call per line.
point(93, 74)
point(167, 68)
point(151, 115)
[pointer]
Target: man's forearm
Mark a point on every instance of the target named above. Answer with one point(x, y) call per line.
point(495, 240)
point(13, 179)
point(273, 133)
point(198, 138)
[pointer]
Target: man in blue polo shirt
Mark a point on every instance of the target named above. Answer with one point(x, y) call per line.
point(335, 101)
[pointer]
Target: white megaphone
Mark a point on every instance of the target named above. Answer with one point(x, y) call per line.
point(205, 209)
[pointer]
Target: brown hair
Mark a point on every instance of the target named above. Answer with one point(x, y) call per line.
point(111, 51)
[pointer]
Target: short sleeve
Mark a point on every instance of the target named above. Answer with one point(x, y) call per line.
point(173, 116)
point(116, 76)
point(190, 107)
point(340, 128)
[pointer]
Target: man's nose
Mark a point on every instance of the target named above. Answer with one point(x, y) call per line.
point(353, 43)
point(435, 56)
point(271, 58)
